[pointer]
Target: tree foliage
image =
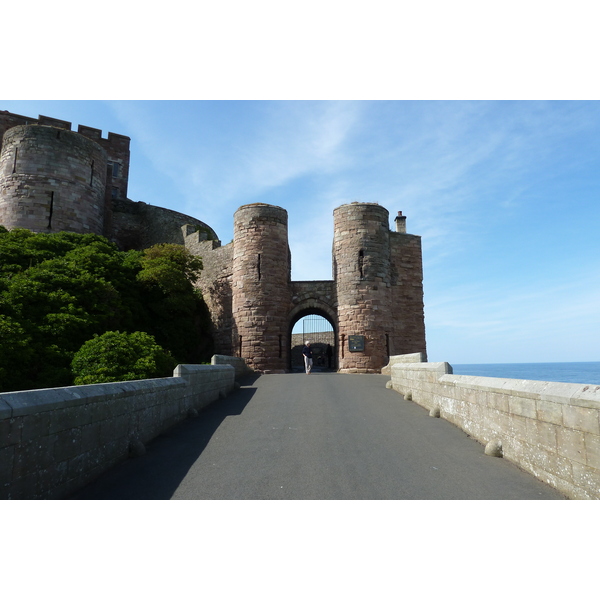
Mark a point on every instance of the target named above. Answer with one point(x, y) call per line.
point(57, 291)
point(116, 356)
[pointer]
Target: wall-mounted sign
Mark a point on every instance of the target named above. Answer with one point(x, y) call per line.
point(356, 343)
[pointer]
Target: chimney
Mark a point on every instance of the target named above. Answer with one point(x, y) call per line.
point(400, 223)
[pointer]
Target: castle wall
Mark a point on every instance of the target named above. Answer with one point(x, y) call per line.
point(315, 294)
point(408, 324)
point(215, 283)
point(51, 179)
point(137, 225)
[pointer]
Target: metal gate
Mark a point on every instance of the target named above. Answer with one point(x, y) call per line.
point(317, 330)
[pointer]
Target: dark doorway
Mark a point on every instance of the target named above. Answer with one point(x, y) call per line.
point(320, 332)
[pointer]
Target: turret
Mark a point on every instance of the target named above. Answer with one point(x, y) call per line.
point(260, 287)
point(52, 179)
point(361, 258)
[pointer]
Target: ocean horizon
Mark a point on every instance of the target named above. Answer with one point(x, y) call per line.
point(564, 372)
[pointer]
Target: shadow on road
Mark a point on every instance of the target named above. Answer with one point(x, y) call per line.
point(157, 474)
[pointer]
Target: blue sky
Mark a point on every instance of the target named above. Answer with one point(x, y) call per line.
point(505, 194)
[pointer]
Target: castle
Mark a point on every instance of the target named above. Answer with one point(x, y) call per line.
point(54, 179)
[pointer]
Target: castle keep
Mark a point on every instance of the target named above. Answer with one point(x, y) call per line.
point(54, 179)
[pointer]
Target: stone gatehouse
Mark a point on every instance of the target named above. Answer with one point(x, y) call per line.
point(374, 302)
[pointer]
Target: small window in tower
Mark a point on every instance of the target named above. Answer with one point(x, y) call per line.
point(114, 193)
point(50, 210)
point(15, 162)
point(361, 260)
point(115, 169)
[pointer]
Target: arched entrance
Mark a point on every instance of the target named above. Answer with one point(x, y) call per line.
point(314, 325)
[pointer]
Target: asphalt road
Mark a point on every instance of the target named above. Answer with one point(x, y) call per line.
point(320, 436)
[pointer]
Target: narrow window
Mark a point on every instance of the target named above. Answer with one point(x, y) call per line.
point(15, 163)
point(58, 135)
point(92, 173)
point(240, 349)
point(361, 260)
point(343, 344)
point(114, 193)
point(280, 347)
point(115, 168)
point(258, 266)
point(387, 343)
point(51, 210)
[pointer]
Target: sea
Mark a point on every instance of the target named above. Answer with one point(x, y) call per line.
point(566, 372)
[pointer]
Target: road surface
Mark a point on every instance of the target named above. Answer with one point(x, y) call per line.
point(320, 436)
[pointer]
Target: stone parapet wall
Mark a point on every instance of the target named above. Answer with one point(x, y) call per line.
point(415, 357)
point(239, 364)
point(551, 430)
point(55, 441)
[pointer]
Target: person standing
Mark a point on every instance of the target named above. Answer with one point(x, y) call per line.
point(308, 359)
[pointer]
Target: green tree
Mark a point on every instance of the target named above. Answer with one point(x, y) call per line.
point(116, 356)
point(178, 316)
point(59, 290)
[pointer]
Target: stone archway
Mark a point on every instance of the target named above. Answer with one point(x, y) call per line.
point(320, 309)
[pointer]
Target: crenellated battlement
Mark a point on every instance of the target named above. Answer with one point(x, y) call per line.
point(115, 145)
point(8, 120)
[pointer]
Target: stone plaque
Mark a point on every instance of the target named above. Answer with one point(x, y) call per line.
point(356, 343)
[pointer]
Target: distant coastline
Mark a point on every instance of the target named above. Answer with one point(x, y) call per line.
point(565, 372)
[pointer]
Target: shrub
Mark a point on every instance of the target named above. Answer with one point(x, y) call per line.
point(116, 356)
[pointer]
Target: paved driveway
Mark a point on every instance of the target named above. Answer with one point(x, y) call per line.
point(320, 436)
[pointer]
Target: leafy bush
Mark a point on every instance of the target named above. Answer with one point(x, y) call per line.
point(59, 290)
point(116, 356)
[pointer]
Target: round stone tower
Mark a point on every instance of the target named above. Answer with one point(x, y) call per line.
point(260, 286)
point(52, 179)
point(361, 260)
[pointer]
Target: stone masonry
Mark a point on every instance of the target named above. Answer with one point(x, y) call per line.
point(54, 179)
point(376, 295)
